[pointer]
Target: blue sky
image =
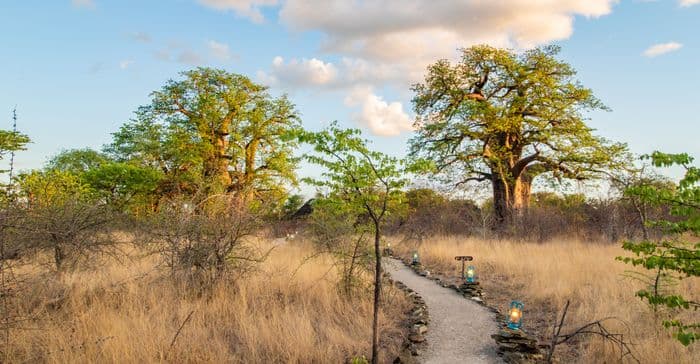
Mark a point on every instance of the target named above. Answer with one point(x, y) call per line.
point(77, 69)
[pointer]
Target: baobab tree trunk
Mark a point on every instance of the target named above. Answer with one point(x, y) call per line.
point(218, 161)
point(510, 197)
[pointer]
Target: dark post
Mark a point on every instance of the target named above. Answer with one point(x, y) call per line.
point(463, 258)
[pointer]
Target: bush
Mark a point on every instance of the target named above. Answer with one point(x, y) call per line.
point(205, 243)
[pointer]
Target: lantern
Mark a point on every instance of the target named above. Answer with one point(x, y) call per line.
point(388, 245)
point(515, 315)
point(416, 259)
point(471, 274)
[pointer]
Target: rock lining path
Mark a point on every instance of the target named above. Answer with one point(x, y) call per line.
point(459, 330)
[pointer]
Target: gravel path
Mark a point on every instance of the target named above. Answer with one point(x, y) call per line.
point(459, 330)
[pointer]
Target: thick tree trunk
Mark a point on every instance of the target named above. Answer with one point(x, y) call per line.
point(501, 206)
point(510, 198)
point(377, 293)
point(216, 166)
point(521, 193)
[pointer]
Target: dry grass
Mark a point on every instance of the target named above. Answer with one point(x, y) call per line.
point(545, 275)
point(277, 314)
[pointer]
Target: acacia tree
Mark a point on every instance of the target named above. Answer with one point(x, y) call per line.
point(506, 118)
point(361, 180)
point(62, 217)
point(627, 181)
point(218, 127)
point(677, 254)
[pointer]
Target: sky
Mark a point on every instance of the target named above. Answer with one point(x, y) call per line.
point(78, 69)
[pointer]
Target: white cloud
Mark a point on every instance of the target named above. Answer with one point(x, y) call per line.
point(402, 38)
point(316, 73)
point(662, 48)
point(124, 64)
point(245, 8)
point(686, 3)
point(83, 3)
point(220, 51)
point(380, 117)
point(300, 73)
point(396, 29)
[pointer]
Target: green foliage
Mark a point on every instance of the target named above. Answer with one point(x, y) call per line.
point(12, 141)
point(53, 187)
point(671, 256)
point(169, 147)
point(359, 360)
point(418, 198)
point(367, 180)
point(123, 185)
point(77, 161)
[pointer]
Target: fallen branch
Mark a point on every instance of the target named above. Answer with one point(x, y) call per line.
point(596, 328)
point(172, 343)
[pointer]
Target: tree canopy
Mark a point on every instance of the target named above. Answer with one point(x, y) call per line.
point(507, 117)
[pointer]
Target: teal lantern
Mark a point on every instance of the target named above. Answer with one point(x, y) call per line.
point(416, 259)
point(515, 315)
point(470, 275)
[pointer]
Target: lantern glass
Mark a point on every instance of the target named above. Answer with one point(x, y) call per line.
point(515, 315)
point(416, 259)
point(471, 274)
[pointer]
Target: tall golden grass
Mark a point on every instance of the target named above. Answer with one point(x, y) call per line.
point(284, 312)
point(545, 275)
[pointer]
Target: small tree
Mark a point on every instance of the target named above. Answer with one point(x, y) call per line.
point(674, 255)
point(627, 182)
point(362, 180)
point(206, 243)
point(62, 217)
point(340, 230)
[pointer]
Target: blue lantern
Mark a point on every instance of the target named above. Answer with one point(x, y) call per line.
point(515, 315)
point(416, 259)
point(470, 275)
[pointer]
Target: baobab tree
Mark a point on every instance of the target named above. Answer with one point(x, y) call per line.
point(216, 129)
point(508, 117)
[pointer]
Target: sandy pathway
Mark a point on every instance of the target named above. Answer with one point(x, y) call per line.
point(459, 330)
